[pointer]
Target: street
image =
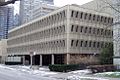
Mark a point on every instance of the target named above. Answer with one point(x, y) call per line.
point(6, 74)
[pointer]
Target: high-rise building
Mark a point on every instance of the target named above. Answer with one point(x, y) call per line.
point(2, 0)
point(27, 7)
point(6, 20)
point(16, 20)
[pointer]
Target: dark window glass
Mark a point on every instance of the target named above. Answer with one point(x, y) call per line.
point(76, 14)
point(76, 43)
point(72, 42)
point(81, 29)
point(81, 44)
point(72, 28)
point(93, 17)
point(86, 43)
point(76, 28)
point(85, 16)
point(90, 17)
point(94, 44)
point(81, 15)
point(72, 13)
point(86, 30)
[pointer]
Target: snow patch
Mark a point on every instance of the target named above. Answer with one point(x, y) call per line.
point(74, 77)
point(81, 72)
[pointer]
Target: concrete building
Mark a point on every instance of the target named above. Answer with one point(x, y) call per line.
point(3, 50)
point(62, 36)
point(116, 30)
point(42, 10)
point(27, 8)
point(103, 6)
point(99, 6)
point(6, 20)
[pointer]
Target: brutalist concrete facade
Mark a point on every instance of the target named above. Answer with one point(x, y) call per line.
point(66, 33)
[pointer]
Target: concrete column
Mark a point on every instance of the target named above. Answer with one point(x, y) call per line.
point(68, 58)
point(23, 58)
point(40, 60)
point(52, 58)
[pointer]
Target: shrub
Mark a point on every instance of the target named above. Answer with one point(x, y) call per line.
point(65, 68)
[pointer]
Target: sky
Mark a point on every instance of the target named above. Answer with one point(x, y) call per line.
point(58, 3)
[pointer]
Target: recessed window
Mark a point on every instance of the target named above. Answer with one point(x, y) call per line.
point(76, 14)
point(81, 43)
point(102, 31)
point(90, 17)
point(72, 28)
point(90, 44)
point(98, 31)
point(94, 44)
point(98, 18)
point(81, 30)
point(105, 20)
point(90, 30)
point(98, 44)
point(72, 42)
point(93, 17)
point(76, 28)
point(72, 13)
point(85, 29)
point(76, 43)
point(81, 15)
point(86, 43)
point(101, 18)
point(85, 16)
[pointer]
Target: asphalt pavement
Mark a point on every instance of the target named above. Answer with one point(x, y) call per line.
point(6, 74)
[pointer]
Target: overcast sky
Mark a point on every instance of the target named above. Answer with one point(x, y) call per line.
point(58, 3)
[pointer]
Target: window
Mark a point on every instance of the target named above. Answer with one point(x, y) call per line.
point(72, 13)
point(76, 28)
point(81, 15)
point(102, 44)
point(98, 31)
point(72, 28)
point(72, 42)
point(90, 44)
point(76, 14)
point(90, 17)
point(98, 44)
point(85, 29)
point(94, 44)
point(101, 18)
point(81, 43)
point(105, 32)
point(86, 43)
point(76, 43)
point(93, 30)
point(105, 20)
point(93, 17)
point(90, 30)
point(98, 18)
point(101, 31)
point(81, 30)
point(85, 16)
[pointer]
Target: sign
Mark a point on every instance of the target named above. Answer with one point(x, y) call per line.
point(32, 53)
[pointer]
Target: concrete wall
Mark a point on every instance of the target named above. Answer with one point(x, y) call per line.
point(3, 49)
